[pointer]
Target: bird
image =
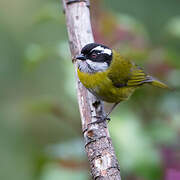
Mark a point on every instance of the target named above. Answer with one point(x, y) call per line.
point(110, 76)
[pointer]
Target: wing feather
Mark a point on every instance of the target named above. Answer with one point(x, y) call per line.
point(123, 72)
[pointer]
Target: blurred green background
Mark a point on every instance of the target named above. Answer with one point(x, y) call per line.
point(40, 130)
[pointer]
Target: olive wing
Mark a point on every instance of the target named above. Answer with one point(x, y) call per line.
point(123, 72)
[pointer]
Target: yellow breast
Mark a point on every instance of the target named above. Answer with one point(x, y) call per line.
point(101, 86)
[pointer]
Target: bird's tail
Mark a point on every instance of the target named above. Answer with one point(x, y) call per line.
point(158, 83)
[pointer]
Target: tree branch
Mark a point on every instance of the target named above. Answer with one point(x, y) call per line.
point(98, 144)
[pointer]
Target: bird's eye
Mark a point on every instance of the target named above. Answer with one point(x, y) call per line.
point(93, 55)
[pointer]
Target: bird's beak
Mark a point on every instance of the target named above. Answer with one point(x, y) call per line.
point(80, 57)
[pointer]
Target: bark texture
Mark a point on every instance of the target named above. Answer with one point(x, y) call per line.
point(98, 144)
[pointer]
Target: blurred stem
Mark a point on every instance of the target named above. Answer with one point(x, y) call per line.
point(98, 144)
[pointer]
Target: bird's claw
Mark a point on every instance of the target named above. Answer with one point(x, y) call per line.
point(101, 120)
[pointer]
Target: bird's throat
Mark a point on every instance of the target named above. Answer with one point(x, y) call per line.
point(89, 66)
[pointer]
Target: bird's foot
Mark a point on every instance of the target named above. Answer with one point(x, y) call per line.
point(101, 119)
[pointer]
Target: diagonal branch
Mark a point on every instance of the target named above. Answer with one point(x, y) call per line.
point(98, 144)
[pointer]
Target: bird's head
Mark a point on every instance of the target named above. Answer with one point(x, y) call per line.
point(94, 58)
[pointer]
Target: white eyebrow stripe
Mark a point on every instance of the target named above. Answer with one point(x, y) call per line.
point(104, 50)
